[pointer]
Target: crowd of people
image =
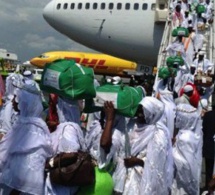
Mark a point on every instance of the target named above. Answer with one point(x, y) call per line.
point(156, 152)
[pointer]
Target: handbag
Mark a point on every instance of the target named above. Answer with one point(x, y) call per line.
point(73, 169)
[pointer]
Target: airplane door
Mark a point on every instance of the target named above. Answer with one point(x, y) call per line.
point(161, 10)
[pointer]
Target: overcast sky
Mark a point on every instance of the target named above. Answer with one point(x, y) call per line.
point(24, 31)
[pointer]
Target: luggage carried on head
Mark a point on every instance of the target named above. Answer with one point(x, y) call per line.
point(172, 60)
point(124, 98)
point(203, 80)
point(180, 31)
point(200, 9)
point(167, 72)
point(68, 79)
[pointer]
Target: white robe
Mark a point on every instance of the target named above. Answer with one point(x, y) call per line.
point(93, 136)
point(8, 116)
point(203, 65)
point(187, 165)
point(187, 151)
point(176, 48)
point(170, 109)
point(27, 147)
point(68, 137)
point(150, 144)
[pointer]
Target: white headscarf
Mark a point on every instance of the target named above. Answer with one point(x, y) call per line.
point(29, 101)
point(166, 97)
point(141, 138)
point(13, 80)
point(153, 109)
point(27, 145)
point(156, 177)
point(68, 111)
point(28, 75)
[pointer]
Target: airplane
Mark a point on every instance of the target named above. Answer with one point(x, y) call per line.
point(101, 63)
point(130, 30)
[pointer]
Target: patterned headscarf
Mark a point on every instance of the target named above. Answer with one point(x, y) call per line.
point(186, 117)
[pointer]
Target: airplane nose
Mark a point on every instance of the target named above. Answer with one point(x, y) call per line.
point(48, 11)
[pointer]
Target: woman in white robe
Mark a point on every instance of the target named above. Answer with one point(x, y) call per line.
point(146, 171)
point(7, 114)
point(166, 97)
point(176, 48)
point(26, 147)
point(187, 151)
point(93, 137)
point(104, 160)
point(68, 137)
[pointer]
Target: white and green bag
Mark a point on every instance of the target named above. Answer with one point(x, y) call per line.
point(68, 79)
point(125, 98)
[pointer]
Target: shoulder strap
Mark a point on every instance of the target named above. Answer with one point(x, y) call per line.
point(127, 143)
point(60, 137)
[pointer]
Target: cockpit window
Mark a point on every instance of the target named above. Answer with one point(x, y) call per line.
point(127, 6)
point(72, 6)
point(65, 5)
point(87, 6)
point(58, 6)
point(136, 6)
point(110, 5)
point(80, 6)
point(119, 5)
point(43, 56)
point(145, 6)
point(102, 5)
point(95, 5)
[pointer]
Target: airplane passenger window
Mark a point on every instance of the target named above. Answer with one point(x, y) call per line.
point(119, 5)
point(80, 6)
point(102, 5)
point(110, 5)
point(153, 6)
point(145, 6)
point(136, 6)
point(87, 6)
point(58, 6)
point(95, 5)
point(161, 6)
point(72, 6)
point(127, 6)
point(65, 5)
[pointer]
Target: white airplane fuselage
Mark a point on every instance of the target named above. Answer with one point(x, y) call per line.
point(131, 34)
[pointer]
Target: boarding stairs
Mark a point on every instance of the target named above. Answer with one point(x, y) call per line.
point(208, 47)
